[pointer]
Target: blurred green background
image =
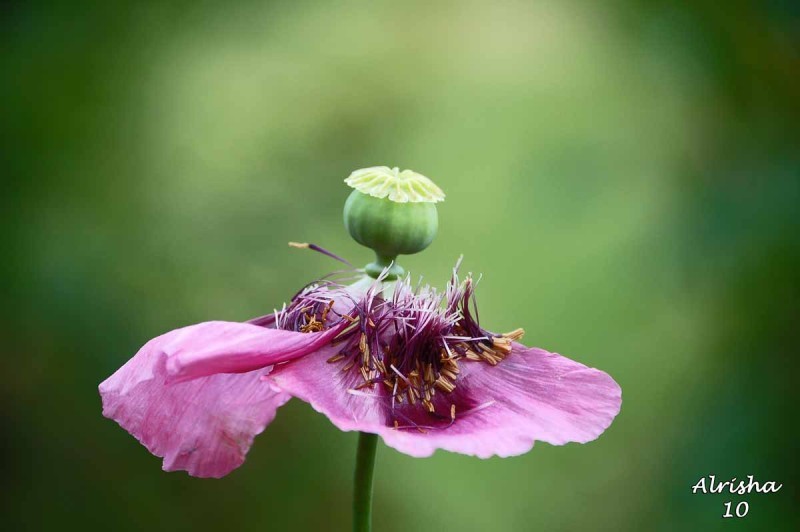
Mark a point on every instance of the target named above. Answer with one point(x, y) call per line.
point(625, 176)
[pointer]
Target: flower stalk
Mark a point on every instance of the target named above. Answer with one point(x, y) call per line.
point(385, 267)
point(362, 485)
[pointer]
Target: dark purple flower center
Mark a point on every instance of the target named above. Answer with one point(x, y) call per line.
point(405, 345)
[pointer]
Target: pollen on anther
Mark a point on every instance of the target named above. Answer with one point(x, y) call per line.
point(428, 405)
point(472, 355)
point(444, 384)
point(515, 335)
point(448, 373)
point(365, 384)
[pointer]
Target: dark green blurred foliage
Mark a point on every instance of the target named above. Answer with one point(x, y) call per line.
point(625, 176)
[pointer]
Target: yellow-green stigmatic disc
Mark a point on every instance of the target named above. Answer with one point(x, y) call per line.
point(391, 212)
point(400, 187)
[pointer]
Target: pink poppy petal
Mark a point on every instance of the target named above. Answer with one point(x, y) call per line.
point(326, 388)
point(531, 395)
point(204, 426)
point(227, 347)
point(499, 410)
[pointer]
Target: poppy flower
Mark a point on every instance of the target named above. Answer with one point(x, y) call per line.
point(412, 365)
point(409, 363)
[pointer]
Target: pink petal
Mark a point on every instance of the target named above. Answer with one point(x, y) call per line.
point(500, 410)
point(226, 347)
point(204, 426)
point(325, 386)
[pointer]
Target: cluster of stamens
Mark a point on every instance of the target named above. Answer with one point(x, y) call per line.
point(410, 342)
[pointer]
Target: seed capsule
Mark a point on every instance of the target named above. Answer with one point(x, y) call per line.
point(391, 212)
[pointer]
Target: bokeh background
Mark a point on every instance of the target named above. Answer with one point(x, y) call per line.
point(624, 174)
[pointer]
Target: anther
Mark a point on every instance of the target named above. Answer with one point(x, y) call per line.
point(472, 355)
point(365, 355)
point(428, 405)
point(515, 335)
point(326, 310)
point(335, 358)
point(362, 343)
point(449, 374)
point(444, 384)
point(502, 344)
point(365, 384)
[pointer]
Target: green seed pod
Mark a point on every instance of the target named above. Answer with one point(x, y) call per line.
point(391, 212)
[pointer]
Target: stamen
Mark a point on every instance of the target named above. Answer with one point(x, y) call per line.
point(444, 384)
point(516, 334)
point(452, 366)
point(326, 310)
point(362, 343)
point(411, 398)
point(501, 344)
point(489, 358)
point(472, 355)
point(449, 374)
point(314, 247)
point(365, 384)
point(413, 342)
point(399, 374)
point(335, 358)
point(364, 348)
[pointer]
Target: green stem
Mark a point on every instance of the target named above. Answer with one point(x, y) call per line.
point(374, 269)
point(362, 490)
